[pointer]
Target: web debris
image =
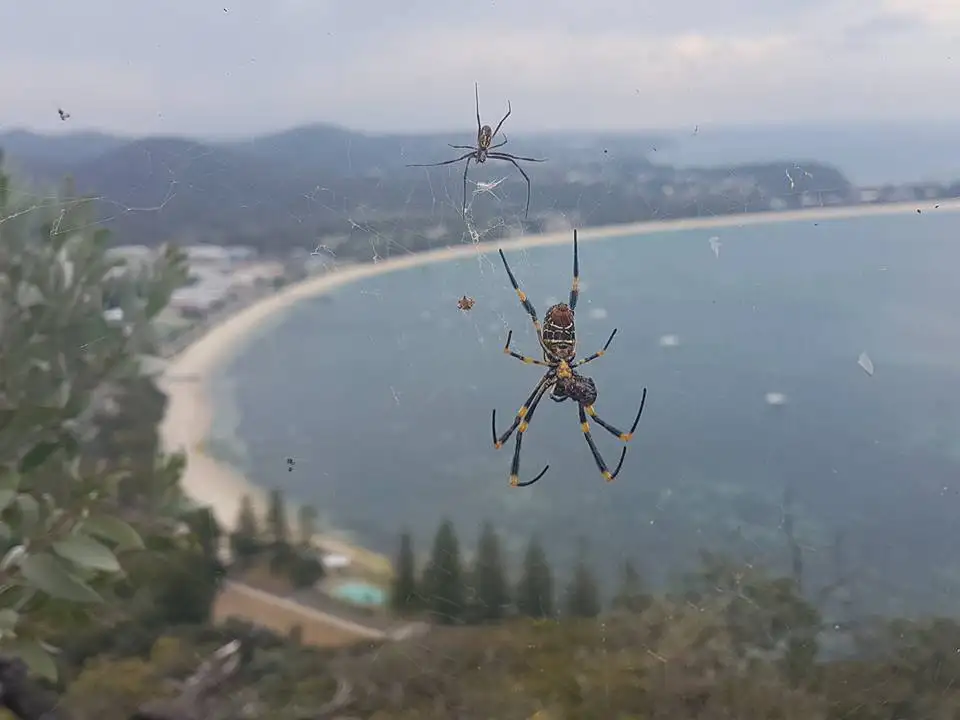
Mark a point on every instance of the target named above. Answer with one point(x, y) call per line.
point(715, 245)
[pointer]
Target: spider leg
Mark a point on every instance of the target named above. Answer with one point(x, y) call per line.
point(511, 156)
point(466, 167)
point(575, 288)
point(504, 156)
point(461, 147)
point(527, 305)
point(521, 423)
point(518, 356)
point(545, 382)
point(499, 144)
point(604, 471)
point(612, 429)
point(476, 95)
point(599, 353)
point(446, 162)
point(502, 120)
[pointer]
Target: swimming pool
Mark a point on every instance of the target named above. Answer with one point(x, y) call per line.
point(360, 593)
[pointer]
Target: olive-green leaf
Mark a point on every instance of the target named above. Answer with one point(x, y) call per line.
point(86, 552)
point(113, 530)
point(35, 656)
point(8, 620)
point(29, 512)
point(29, 295)
point(9, 480)
point(6, 497)
point(45, 572)
point(37, 455)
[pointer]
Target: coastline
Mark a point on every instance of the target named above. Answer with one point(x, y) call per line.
point(186, 381)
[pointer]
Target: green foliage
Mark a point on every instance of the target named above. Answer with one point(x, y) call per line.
point(62, 358)
point(534, 594)
point(306, 524)
point(277, 526)
point(582, 596)
point(245, 539)
point(114, 688)
point(404, 597)
point(491, 591)
point(760, 611)
point(443, 582)
point(305, 569)
point(631, 595)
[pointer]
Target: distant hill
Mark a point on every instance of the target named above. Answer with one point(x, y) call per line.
point(52, 155)
point(325, 184)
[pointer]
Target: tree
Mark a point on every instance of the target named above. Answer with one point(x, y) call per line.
point(77, 322)
point(491, 594)
point(277, 518)
point(534, 596)
point(443, 585)
point(583, 596)
point(245, 538)
point(403, 593)
point(206, 531)
point(631, 595)
point(306, 524)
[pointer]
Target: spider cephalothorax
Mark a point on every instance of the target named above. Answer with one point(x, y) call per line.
point(558, 339)
point(484, 150)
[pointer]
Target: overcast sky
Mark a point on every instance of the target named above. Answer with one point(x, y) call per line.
point(244, 66)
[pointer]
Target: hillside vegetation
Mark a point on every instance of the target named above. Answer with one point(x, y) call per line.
point(352, 192)
point(109, 576)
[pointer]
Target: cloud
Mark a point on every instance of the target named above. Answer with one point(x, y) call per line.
point(249, 65)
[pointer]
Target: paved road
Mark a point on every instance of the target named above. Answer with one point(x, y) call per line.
point(318, 615)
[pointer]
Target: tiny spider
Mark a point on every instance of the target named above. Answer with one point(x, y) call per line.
point(483, 152)
point(466, 303)
point(64, 115)
point(558, 340)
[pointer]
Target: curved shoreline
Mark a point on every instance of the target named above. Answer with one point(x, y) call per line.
point(186, 381)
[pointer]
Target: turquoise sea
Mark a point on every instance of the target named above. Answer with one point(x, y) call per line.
point(381, 392)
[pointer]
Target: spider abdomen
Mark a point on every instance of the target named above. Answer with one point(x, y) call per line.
point(484, 138)
point(559, 333)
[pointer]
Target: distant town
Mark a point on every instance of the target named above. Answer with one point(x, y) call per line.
point(225, 278)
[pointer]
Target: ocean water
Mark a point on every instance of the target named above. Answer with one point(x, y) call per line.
point(382, 393)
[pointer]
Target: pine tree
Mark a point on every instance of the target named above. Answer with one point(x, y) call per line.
point(583, 596)
point(306, 524)
point(403, 595)
point(631, 595)
point(534, 596)
point(443, 583)
point(489, 578)
point(245, 538)
point(277, 518)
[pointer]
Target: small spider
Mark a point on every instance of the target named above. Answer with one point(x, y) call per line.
point(63, 114)
point(466, 303)
point(483, 152)
point(558, 339)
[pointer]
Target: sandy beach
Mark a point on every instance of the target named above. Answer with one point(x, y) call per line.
point(190, 411)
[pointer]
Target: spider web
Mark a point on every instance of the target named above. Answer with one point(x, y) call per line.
point(383, 384)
